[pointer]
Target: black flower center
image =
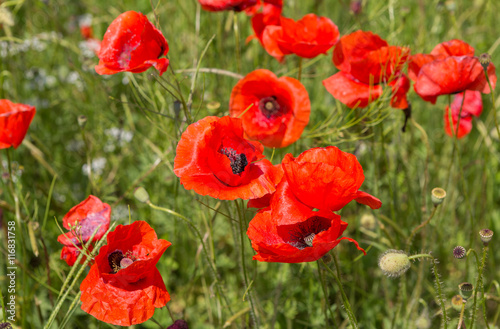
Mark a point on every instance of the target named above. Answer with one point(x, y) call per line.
point(301, 235)
point(114, 260)
point(269, 107)
point(238, 161)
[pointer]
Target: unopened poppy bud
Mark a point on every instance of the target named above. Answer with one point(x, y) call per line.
point(423, 321)
point(466, 289)
point(485, 60)
point(456, 302)
point(356, 7)
point(438, 195)
point(394, 263)
point(82, 121)
point(327, 258)
point(141, 194)
point(368, 221)
point(459, 252)
point(486, 235)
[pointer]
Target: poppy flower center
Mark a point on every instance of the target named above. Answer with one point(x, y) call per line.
point(269, 107)
point(238, 161)
point(117, 260)
point(301, 235)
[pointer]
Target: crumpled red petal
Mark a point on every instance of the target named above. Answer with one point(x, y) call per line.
point(351, 92)
point(15, 120)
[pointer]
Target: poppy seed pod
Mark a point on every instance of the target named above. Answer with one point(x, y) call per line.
point(437, 196)
point(466, 289)
point(485, 60)
point(459, 252)
point(486, 235)
point(394, 263)
point(456, 302)
point(82, 121)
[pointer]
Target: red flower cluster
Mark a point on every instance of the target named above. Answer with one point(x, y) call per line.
point(15, 120)
point(450, 68)
point(274, 111)
point(220, 5)
point(366, 62)
point(124, 286)
point(308, 37)
point(471, 106)
point(132, 44)
point(289, 230)
point(82, 220)
point(214, 159)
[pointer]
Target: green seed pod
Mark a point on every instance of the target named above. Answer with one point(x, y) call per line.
point(466, 289)
point(486, 236)
point(456, 302)
point(82, 121)
point(438, 195)
point(485, 60)
point(394, 263)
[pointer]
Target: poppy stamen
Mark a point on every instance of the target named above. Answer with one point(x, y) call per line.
point(269, 107)
point(301, 235)
point(114, 260)
point(238, 161)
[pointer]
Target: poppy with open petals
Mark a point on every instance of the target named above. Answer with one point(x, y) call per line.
point(214, 159)
point(308, 37)
point(472, 106)
point(327, 179)
point(82, 220)
point(450, 68)
point(132, 44)
point(295, 239)
point(274, 110)
point(220, 5)
point(269, 16)
point(15, 120)
point(366, 62)
point(124, 286)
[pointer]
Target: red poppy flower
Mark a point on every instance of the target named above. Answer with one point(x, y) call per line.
point(124, 286)
point(132, 44)
point(279, 108)
point(220, 5)
point(472, 106)
point(366, 61)
point(450, 68)
point(308, 37)
point(214, 159)
point(270, 16)
point(15, 120)
point(86, 217)
point(327, 179)
point(292, 239)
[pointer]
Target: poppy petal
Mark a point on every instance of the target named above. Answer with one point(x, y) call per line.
point(15, 120)
point(352, 93)
point(368, 199)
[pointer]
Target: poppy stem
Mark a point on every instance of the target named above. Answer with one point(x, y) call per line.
point(479, 285)
point(416, 229)
point(461, 318)
point(493, 103)
point(345, 300)
point(299, 75)
point(237, 41)
point(12, 187)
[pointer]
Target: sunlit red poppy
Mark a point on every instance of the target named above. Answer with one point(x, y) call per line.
point(15, 120)
point(274, 110)
point(308, 37)
point(327, 179)
point(269, 16)
point(132, 44)
point(220, 5)
point(82, 220)
point(472, 106)
point(214, 159)
point(295, 239)
point(450, 68)
point(366, 62)
point(124, 286)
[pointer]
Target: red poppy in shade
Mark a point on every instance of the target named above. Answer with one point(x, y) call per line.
point(132, 44)
point(15, 120)
point(270, 16)
point(214, 159)
point(124, 286)
point(274, 110)
point(472, 106)
point(450, 68)
point(295, 239)
point(366, 62)
point(82, 220)
point(308, 37)
point(327, 179)
point(220, 5)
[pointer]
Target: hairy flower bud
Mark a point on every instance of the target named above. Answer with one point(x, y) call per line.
point(459, 252)
point(141, 194)
point(394, 263)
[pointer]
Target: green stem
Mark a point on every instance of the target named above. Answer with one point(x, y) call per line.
point(205, 250)
point(299, 76)
point(237, 41)
point(345, 300)
point(461, 319)
point(493, 103)
point(416, 229)
point(323, 286)
point(479, 285)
